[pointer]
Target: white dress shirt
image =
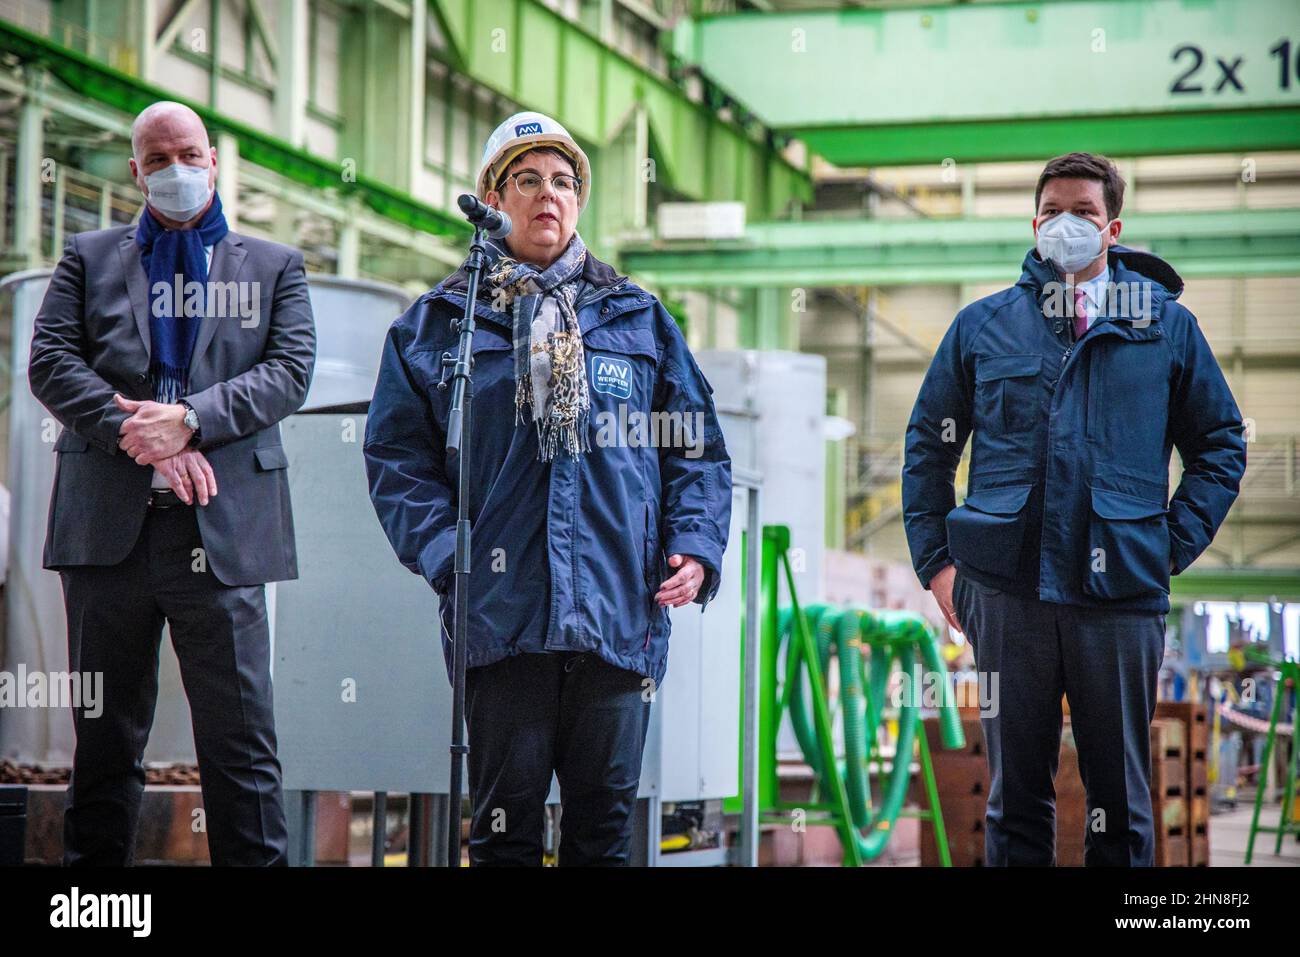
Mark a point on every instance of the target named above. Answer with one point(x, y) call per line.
point(1094, 290)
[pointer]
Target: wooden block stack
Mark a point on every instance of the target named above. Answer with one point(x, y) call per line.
point(962, 778)
point(963, 781)
point(1179, 796)
point(1169, 792)
point(1195, 723)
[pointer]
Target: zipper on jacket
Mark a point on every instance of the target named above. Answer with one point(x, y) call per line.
point(1070, 344)
point(600, 292)
point(651, 584)
point(1058, 327)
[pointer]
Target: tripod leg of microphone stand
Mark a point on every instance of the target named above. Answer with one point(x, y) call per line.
point(426, 829)
point(379, 829)
point(308, 854)
point(414, 829)
point(438, 853)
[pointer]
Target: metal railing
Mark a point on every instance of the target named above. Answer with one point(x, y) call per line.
point(875, 465)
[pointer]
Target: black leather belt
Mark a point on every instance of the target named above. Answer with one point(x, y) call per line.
point(164, 498)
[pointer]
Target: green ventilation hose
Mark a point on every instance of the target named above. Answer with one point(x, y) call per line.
point(866, 645)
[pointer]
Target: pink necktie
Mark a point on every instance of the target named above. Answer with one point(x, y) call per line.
point(1080, 313)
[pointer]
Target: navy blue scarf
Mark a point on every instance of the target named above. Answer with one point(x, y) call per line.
point(166, 254)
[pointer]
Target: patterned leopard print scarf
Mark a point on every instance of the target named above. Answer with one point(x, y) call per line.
point(550, 364)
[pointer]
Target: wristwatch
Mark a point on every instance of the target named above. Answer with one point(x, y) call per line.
point(191, 421)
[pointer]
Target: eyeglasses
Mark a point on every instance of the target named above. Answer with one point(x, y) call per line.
point(528, 183)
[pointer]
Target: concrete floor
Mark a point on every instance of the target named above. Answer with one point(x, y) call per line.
point(1228, 833)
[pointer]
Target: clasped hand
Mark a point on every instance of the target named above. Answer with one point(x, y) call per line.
point(156, 434)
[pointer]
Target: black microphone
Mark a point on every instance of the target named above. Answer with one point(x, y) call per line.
point(494, 222)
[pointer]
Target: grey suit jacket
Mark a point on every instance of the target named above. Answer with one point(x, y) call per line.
point(92, 339)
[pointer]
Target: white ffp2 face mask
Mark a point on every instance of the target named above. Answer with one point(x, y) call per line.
point(1070, 241)
point(179, 192)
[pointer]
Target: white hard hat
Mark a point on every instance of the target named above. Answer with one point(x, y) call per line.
point(520, 133)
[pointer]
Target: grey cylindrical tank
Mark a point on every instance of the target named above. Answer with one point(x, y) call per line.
point(772, 407)
point(352, 318)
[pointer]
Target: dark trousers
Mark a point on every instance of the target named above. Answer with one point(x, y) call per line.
point(570, 713)
point(1107, 664)
point(115, 620)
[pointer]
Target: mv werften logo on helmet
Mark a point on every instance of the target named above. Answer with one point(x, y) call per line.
point(611, 376)
point(515, 136)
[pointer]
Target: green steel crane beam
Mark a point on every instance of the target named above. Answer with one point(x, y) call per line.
point(527, 52)
point(815, 253)
point(1006, 81)
point(103, 84)
point(1236, 584)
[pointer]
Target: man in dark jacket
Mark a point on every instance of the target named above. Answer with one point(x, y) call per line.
point(1073, 385)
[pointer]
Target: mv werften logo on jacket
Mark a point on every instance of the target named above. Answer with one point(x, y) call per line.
point(611, 376)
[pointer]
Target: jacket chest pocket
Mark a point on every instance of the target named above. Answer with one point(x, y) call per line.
point(621, 369)
point(1008, 395)
point(1128, 547)
point(1128, 393)
point(493, 374)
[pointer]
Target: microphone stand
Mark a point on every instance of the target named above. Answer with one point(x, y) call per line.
point(458, 443)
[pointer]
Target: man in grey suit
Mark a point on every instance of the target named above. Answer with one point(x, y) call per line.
point(170, 351)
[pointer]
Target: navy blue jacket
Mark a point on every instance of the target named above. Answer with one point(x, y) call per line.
point(1067, 497)
point(567, 555)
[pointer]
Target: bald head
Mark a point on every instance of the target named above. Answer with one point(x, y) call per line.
point(169, 134)
point(166, 122)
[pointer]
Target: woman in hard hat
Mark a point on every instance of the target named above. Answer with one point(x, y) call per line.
point(601, 498)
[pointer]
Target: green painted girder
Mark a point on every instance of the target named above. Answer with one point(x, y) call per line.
point(1007, 81)
point(527, 52)
point(1229, 584)
point(103, 84)
point(811, 253)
